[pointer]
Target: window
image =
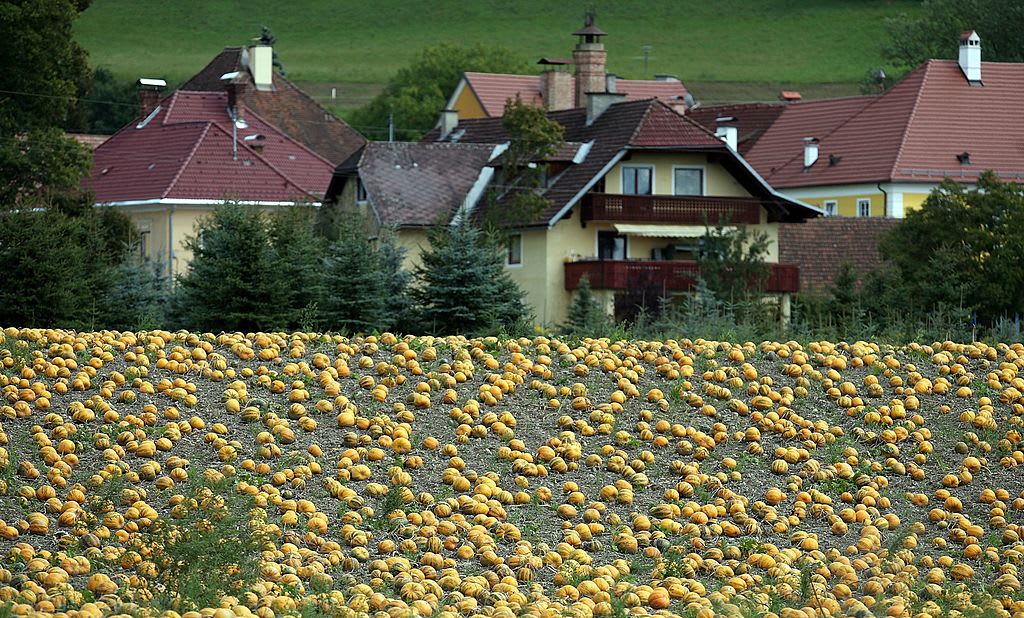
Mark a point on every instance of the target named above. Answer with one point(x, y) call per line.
point(864, 207)
point(360, 190)
point(637, 180)
point(611, 246)
point(514, 257)
point(831, 208)
point(144, 244)
point(688, 181)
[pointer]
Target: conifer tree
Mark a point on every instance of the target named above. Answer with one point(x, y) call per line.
point(299, 253)
point(354, 290)
point(586, 316)
point(463, 286)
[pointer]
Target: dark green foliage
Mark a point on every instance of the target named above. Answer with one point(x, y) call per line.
point(586, 316)
point(299, 250)
point(354, 288)
point(463, 286)
point(844, 304)
point(960, 252)
point(38, 163)
point(57, 269)
point(391, 260)
point(519, 184)
point(210, 550)
point(233, 282)
point(108, 105)
point(137, 299)
point(732, 262)
point(935, 32)
point(418, 93)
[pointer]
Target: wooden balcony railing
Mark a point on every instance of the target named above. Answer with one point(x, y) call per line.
point(686, 209)
point(670, 275)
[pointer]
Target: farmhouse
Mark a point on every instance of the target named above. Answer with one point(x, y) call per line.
point(880, 156)
point(235, 131)
point(628, 194)
point(483, 95)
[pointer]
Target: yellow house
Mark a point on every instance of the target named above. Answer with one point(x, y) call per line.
point(219, 137)
point(881, 155)
point(628, 197)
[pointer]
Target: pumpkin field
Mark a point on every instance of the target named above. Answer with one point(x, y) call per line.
point(271, 474)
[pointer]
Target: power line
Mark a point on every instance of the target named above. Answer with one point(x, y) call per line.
point(58, 96)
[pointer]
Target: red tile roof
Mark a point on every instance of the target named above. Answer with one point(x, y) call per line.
point(752, 120)
point(185, 152)
point(821, 246)
point(286, 107)
point(913, 132)
point(494, 89)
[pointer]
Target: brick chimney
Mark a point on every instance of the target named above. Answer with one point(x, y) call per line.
point(590, 58)
point(149, 94)
point(556, 85)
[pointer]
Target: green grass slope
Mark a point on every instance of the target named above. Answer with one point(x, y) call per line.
point(785, 41)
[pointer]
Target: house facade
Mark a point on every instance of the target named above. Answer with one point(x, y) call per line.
point(881, 155)
point(200, 146)
point(627, 201)
point(562, 84)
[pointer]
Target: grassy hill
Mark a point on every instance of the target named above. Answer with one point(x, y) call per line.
point(736, 41)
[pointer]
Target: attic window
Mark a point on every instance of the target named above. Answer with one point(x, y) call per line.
point(833, 160)
point(151, 166)
point(964, 158)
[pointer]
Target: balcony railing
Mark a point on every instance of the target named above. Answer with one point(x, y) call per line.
point(670, 275)
point(687, 209)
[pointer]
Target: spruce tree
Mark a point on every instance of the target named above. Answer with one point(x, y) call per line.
point(232, 282)
point(463, 286)
point(299, 254)
point(586, 316)
point(354, 291)
point(391, 260)
point(137, 298)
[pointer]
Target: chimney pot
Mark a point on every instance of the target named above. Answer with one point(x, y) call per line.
point(149, 90)
point(727, 131)
point(810, 151)
point(970, 56)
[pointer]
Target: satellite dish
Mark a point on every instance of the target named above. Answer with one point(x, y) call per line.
point(240, 123)
point(880, 75)
point(689, 101)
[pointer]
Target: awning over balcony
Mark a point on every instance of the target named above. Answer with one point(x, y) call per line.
point(664, 231)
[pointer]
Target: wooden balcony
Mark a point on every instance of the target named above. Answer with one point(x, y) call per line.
point(670, 275)
point(688, 209)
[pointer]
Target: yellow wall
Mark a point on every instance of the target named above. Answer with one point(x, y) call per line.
point(531, 273)
point(848, 203)
point(913, 201)
point(718, 181)
point(468, 105)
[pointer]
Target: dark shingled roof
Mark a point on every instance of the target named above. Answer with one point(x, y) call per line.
point(414, 183)
point(752, 119)
point(820, 246)
point(634, 125)
point(286, 107)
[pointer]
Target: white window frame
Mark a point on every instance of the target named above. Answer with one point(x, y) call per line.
point(622, 178)
point(703, 177)
point(361, 195)
point(508, 251)
point(834, 204)
point(863, 201)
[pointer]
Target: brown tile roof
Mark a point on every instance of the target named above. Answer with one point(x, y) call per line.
point(913, 132)
point(494, 89)
point(752, 120)
point(286, 107)
point(414, 183)
point(820, 246)
point(185, 152)
point(629, 125)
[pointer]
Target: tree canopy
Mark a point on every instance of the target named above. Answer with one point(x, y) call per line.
point(44, 73)
point(418, 93)
point(934, 32)
point(961, 249)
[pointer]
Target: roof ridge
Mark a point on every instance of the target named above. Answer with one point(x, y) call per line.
point(640, 122)
point(188, 159)
point(910, 118)
point(288, 137)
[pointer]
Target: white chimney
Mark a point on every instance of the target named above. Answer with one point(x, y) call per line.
point(970, 56)
point(448, 122)
point(611, 82)
point(810, 151)
point(727, 131)
point(262, 67)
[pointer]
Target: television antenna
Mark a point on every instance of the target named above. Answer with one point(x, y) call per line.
point(645, 55)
